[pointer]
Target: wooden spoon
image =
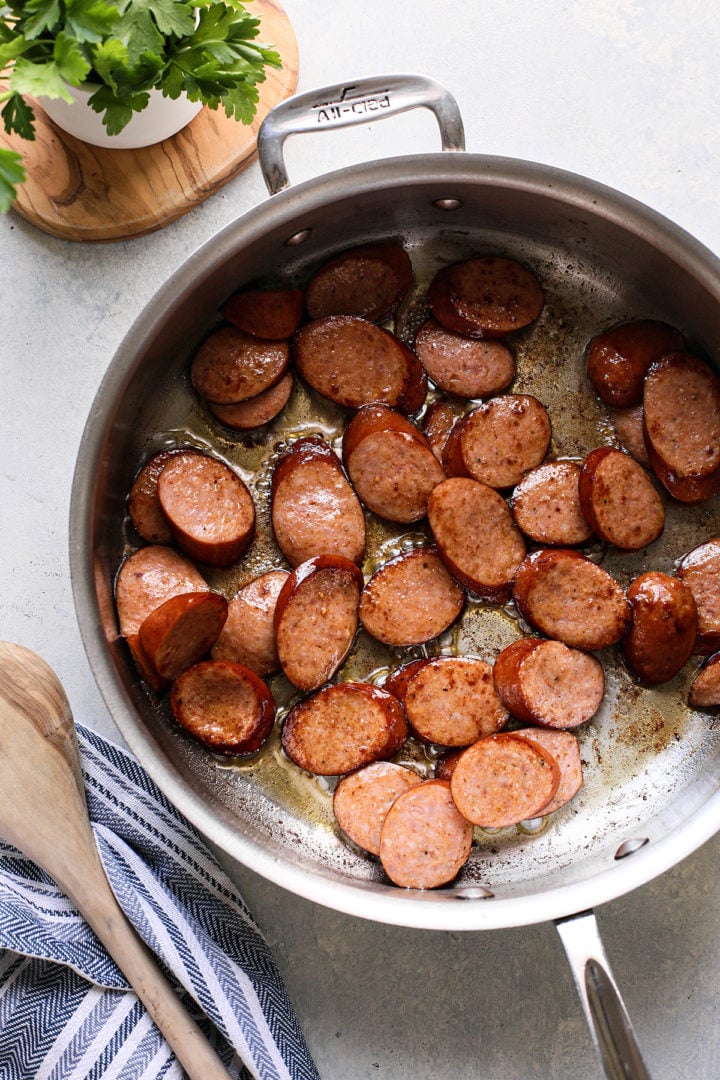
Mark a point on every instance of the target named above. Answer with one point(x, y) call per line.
point(43, 813)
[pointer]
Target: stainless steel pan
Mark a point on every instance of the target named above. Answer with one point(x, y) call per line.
point(652, 790)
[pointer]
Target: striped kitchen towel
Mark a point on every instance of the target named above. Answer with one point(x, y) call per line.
point(66, 1012)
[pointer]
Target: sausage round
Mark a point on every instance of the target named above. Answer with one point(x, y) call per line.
point(663, 629)
point(367, 281)
point(563, 746)
point(149, 577)
point(440, 418)
point(485, 297)
point(503, 779)
point(256, 411)
point(499, 441)
point(181, 631)
point(273, 314)
point(619, 499)
point(618, 359)
point(248, 636)
point(547, 683)
point(628, 424)
point(452, 701)
point(144, 507)
point(700, 571)
point(231, 365)
point(339, 728)
point(410, 599)
point(546, 505)
point(705, 687)
point(424, 841)
point(362, 799)
point(226, 706)
point(468, 367)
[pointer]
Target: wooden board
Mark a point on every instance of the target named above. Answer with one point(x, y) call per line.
point(81, 192)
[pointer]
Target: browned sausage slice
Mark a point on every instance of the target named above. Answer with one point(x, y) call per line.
point(504, 779)
point(546, 505)
point(274, 314)
point(316, 616)
point(148, 578)
point(705, 687)
point(700, 570)
point(563, 746)
point(314, 509)
point(256, 411)
point(548, 683)
point(476, 536)
point(452, 701)
point(628, 424)
point(362, 799)
point(410, 599)
point(681, 414)
point(499, 441)
point(568, 597)
point(390, 463)
point(368, 281)
point(181, 631)
point(353, 362)
point(231, 365)
point(438, 422)
point(485, 297)
point(248, 636)
point(619, 499)
point(226, 706)
point(398, 680)
point(342, 727)
point(144, 507)
point(468, 367)
point(663, 629)
point(424, 841)
point(211, 512)
point(618, 359)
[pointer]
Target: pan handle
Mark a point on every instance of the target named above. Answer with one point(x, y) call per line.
point(348, 103)
point(605, 1011)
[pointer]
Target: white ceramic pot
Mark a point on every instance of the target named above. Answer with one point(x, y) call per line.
point(161, 118)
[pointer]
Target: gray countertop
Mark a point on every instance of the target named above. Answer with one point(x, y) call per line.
point(624, 92)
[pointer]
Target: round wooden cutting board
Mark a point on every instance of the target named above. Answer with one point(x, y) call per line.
point(81, 192)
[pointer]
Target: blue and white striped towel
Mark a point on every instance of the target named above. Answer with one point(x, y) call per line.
point(66, 1012)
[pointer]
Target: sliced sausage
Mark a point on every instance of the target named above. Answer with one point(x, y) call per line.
point(316, 616)
point(210, 510)
point(256, 411)
point(547, 683)
point(362, 799)
point(566, 596)
point(563, 746)
point(452, 701)
point(144, 507)
point(398, 680)
point(340, 728)
point(314, 509)
point(546, 505)
point(390, 463)
point(705, 687)
point(368, 281)
point(681, 414)
point(353, 362)
point(439, 421)
point(181, 631)
point(476, 536)
point(148, 578)
point(424, 841)
point(468, 367)
point(499, 441)
point(700, 571)
point(504, 779)
point(618, 359)
point(664, 626)
point(619, 499)
point(410, 599)
point(485, 297)
point(226, 706)
point(628, 424)
point(231, 365)
point(248, 636)
point(445, 764)
point(273, 314)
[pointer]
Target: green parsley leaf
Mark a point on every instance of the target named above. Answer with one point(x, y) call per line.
point(70, 59)
point(117, 112)
point(43, 15)
point(108, 58)
point(41, 80)
point(12, 173)
point(18, 117)
point(241, 103)
point(90, 20)
point(172, 17)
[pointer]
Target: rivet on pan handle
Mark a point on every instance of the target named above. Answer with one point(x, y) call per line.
point(356, 102)
point(605, 1011)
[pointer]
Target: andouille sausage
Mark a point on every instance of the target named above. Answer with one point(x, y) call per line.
point(224, 705)
point(390, 463)
point(439, 420)
point(410, 599)
point(353, 362)
point(564, 747)
point(681, 417)
point(182, 631)
point(248, 636)
point(547, 683)
point(503, 779)
point(461, 365)
point(628, 424)
point(362, 799)
point(619, 499)
point(564, 595)
point(705, 688)
point(316, 616)
point(314, 509)
point(398, 680)
point(452, 701)
point(486, 297)
point(144, 507)
point(618, 359)
point(664, 626)
point(232, 365)
point(273, 314)
point(476, 536)
point(425, 841)
point(499, 440)
point(256, 411)
point(341, 727)
point(367, 281)
point(210, 510)
point(546, 505)
point(149, 577)
point(699, 569)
